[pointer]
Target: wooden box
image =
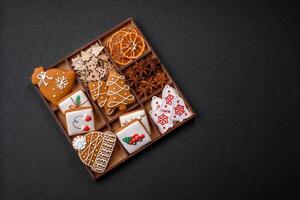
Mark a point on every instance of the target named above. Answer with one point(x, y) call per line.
point(103, 121)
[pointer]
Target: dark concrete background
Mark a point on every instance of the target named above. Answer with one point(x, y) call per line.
point(237, 63)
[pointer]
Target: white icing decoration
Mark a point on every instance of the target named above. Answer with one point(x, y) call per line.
point(42, 76)
point(79, 143)
point(61, 82)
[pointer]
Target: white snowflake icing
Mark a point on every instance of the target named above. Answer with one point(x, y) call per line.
point(61, 82)
point(79, 143)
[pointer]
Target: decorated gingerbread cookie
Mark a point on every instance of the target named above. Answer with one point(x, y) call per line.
point(159, 104)
point(74, 100)
point(54, 84)
point(133, 136)
point(98, 92)
point(169, 109)
point(180, 111)
point(95, 149)
point(126, 118)
point(79, 120)
point(118, 92)
point(162, 121)
point(168, 95)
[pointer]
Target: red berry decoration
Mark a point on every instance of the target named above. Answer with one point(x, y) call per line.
point(88, 118)
point(85, 128)
point(133, 139)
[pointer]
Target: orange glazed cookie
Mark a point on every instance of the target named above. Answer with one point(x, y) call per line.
point(54, 84)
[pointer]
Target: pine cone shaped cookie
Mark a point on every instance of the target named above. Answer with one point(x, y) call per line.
point(54, 84)
point(95, 149)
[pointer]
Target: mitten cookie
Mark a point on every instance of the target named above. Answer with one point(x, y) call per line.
point(158, 104)
point(168, 95)
point(118, 91)
point(54, 84)
point(180, 111)
point(98, 92)
point(162, 121)
point(95, 149)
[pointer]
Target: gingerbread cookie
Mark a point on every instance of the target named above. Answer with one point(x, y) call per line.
point(54, 84)
point(169, 109)
point(162, 121)
point(118, 92)
point(79, 120)
point(95, 149)
point(126, 118)
point(133, 136)
point(74, 100)
point(98, 92)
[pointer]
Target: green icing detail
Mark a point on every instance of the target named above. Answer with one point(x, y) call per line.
point(77, 101)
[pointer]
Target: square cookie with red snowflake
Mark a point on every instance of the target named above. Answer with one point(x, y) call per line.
point(133, 136)
point(80, 120)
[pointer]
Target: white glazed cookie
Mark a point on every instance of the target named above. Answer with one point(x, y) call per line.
point(133, 136)
point(73, 100)
point(169, 109)
point(79, 120)
point(168, 95)
point(180, 111)
point(162, 121)
point(126, 118)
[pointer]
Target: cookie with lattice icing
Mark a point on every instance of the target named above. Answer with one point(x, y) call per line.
point(95, 149)
point(54, 84)
point(98, 92)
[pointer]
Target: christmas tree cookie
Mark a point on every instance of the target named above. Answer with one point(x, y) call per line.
point(133, 136)
point(98, 92)
point(118, 92)
point(95, 149)
point(54, 84)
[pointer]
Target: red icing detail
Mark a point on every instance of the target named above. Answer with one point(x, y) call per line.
point(162, 119)
point(136, 138)
point(169, 99)
point(85, 128)
point(88, 118)
point(179, 110)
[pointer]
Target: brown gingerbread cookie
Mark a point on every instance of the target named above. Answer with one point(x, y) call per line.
point(54, 84)
point(118, 91)
point(98, 92)
point(95, 149)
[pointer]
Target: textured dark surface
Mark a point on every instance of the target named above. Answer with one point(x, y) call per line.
point(237, 63)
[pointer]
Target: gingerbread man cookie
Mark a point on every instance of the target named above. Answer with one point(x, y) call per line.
point(54, 84)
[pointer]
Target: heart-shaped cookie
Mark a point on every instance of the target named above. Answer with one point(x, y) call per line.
point(95, 149)
point(54, 84)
